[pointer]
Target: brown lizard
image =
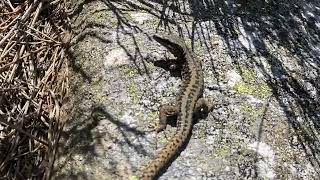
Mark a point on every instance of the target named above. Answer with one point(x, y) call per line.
point(188, 103)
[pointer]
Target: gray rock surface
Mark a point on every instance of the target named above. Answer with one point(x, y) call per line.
point(261, 59)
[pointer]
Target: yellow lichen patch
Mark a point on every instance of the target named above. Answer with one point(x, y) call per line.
point(198, 48)
point(243, 88)
point(153, 115)
point(129, 72)
point(152, 118)
point(250, 86)
point(251, 110)
point(162, 140)
point(202, 135)
point(151, 67)
point(97, 88)
point(101, 17)
point(133, 178)
point(248, 76)
point(246, 107)
point(232, 128)
point(260, 90)
point(264, 90)
point(222, 151)
point(133, 91)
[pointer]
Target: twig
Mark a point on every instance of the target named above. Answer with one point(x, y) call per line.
point(21, 130)
point(33, 80)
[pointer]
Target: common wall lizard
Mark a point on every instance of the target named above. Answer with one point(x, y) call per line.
point(188, 103)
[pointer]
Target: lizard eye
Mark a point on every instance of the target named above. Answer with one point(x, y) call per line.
point(173, 67)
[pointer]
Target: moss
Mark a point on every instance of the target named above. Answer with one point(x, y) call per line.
point(133, 91)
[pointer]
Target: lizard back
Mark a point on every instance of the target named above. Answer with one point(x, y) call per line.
point(191, 91)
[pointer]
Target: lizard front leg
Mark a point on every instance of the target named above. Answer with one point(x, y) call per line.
point(166, 111)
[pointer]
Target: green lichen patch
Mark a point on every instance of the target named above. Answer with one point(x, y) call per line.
point(244, 88)
point(222, 151)
point(128, 71)
point(202, 135)
point(102, 17)
point(246, 107)
point(251, 86)
point(133, 178)
point(251, 111)
point(249, 76)
point(98, 95)
point(132, 89)
point(152, 118)
point(151, 67)
point(198, 48)
point(232, 128)
point(120, 114)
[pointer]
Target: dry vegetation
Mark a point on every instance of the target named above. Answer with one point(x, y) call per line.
point(33, 85)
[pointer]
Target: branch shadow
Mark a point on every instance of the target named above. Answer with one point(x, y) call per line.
point(249, 29)
point(291, 25)
point(82, 138)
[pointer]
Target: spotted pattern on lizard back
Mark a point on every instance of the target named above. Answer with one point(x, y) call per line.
point(189, 102)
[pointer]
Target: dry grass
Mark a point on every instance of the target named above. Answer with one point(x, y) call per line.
point(33, 85)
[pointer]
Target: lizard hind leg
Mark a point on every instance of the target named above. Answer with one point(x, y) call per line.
point(166, 112)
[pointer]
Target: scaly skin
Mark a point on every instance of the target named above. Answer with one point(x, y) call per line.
point(188, 103)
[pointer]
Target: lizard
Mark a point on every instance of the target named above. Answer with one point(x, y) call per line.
point(189, 102)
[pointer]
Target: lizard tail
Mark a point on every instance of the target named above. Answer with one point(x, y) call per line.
point(170, 150)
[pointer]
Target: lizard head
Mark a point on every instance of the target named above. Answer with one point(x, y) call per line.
point(173, 43)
